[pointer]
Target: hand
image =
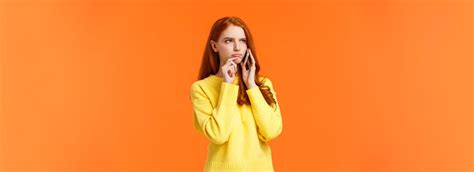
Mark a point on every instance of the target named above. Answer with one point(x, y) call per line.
point(248, 74)
point(229, 69)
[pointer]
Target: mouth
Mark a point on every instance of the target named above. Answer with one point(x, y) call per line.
point(237, 59)
point(237, 55)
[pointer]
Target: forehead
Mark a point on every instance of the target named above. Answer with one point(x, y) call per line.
point(233, 31)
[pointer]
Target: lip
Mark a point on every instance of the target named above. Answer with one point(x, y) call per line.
point(236, 55)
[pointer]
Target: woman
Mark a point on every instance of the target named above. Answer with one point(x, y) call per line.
point(235, 108)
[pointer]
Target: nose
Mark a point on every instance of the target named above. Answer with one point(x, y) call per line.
point(237, 46)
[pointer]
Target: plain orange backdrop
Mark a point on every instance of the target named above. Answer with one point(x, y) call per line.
point(364, 86)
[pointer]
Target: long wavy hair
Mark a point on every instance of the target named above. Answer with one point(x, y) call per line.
point(211, 63)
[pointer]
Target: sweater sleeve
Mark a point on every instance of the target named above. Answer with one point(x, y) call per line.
point(267, 118)
point(215, 123)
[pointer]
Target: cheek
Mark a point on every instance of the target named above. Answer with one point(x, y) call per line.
point(225, 50)
point(244, 47)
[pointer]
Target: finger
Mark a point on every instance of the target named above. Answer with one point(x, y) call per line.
point(230, 69)
point(252, 59)
point(231, 59)
point(232, 72)
point(229, 62)
point(234, 65)
point(244, 66)
point(226, 68)
point(227, 71)
point(248, 53)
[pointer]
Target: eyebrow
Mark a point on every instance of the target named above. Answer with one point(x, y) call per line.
point(232, 38)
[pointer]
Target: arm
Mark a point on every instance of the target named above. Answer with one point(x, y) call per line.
point(215, 123)
point(267, 118)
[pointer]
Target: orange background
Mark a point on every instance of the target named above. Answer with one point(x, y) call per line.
point(382, 86)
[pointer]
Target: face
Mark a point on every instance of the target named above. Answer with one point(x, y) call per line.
point(231, 43)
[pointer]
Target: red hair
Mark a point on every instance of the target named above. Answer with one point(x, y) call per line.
point(211, 63)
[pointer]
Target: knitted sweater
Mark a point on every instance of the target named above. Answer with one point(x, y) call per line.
point(238, 134)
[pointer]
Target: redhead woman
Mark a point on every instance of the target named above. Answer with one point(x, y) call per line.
point(234, 107)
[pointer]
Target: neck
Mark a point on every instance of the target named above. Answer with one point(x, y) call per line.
point(220, 74)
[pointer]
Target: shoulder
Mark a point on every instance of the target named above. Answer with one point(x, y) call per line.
point(196, 91)
point(210, 83)
point(197, 85)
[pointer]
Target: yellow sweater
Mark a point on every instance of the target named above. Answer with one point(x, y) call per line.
point(238, 135)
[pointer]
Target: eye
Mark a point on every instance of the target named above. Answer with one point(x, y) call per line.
point(243, 40)
point(228, 41)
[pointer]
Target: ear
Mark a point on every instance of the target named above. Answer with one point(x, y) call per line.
point(213, 45)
